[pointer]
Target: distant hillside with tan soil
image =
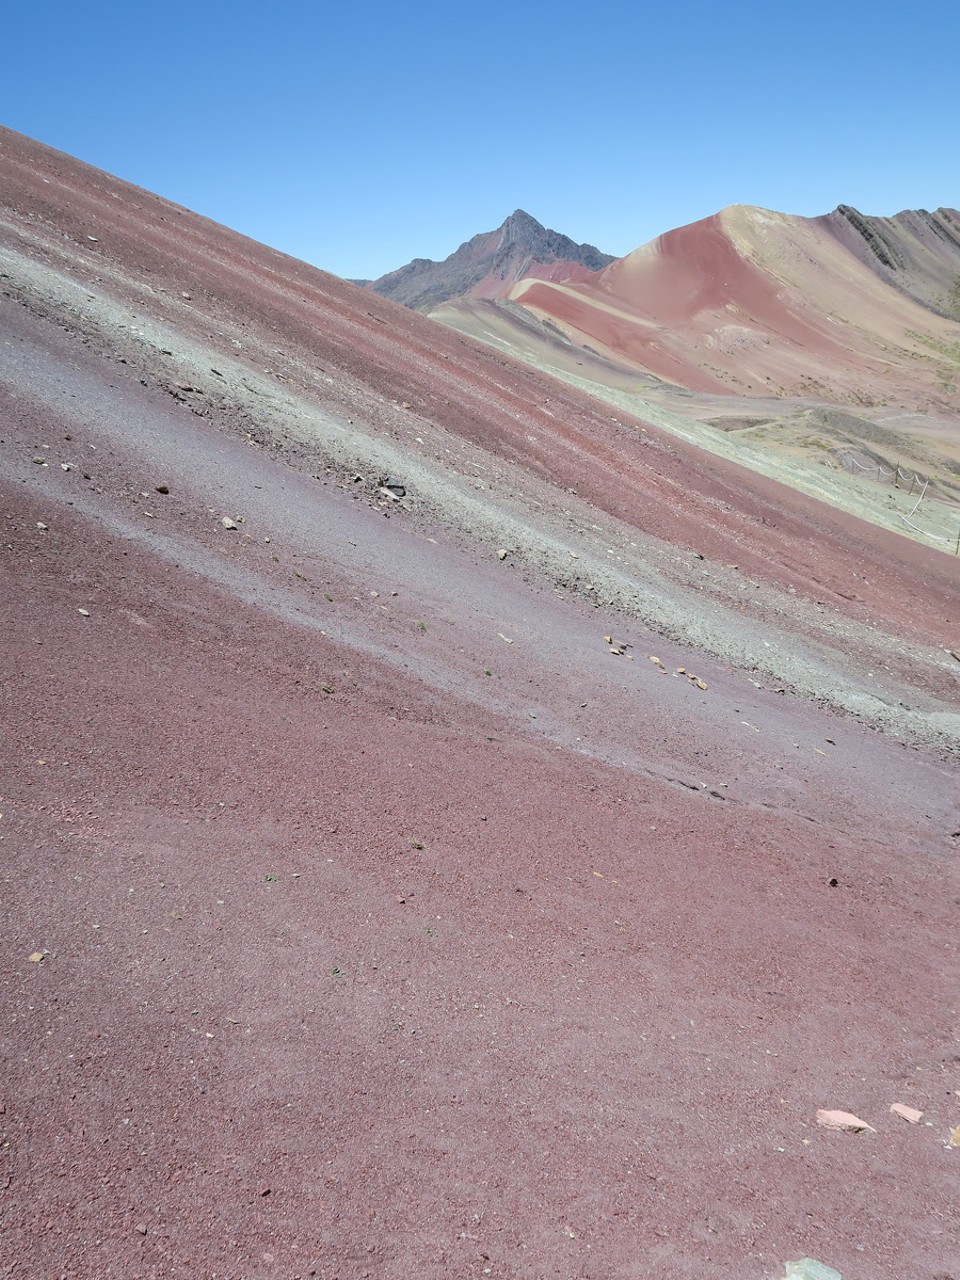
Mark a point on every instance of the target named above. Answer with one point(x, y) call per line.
point(859, 310)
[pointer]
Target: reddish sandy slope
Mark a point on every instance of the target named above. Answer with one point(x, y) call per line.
point(390, 924)
point(860, 310)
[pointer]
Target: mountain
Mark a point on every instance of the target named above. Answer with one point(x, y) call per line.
point(444, 819)
point(916, 252)
point(824, 350)
point(490, 264)
point(862, 310)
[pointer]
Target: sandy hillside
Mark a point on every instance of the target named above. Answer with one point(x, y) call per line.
point(753, 300)
point(366, 911)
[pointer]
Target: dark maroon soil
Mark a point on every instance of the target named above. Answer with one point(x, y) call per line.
point(359, 961)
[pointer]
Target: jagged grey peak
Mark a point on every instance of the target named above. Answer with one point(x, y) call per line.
point(488, 264)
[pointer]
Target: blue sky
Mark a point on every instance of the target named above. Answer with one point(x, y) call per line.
point(360, 135)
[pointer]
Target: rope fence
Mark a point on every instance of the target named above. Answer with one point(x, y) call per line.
point(896, 474)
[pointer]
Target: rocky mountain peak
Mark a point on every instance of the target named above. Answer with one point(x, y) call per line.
point(487, 265)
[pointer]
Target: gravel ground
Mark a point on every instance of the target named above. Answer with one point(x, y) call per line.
point(364, 914)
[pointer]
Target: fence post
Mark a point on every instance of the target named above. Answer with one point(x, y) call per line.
point(920, 499)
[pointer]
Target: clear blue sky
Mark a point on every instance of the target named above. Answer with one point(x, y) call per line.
point(358, 135)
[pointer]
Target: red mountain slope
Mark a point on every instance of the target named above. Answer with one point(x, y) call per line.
point(364, 911)
point(860, 310)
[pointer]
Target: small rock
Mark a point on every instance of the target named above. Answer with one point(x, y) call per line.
point(162, 488)
point(910, 1114)
point(845, 1121)
point(37, 957)
point(84, 613)
point(66, 466)
point(141, 1228)
point(810, 1269)
point(188, 296)
point(228, 523)
point(41, 525)
point(502, 553)
point(40, 461)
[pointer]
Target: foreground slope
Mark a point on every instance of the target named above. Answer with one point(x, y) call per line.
point(390, 923)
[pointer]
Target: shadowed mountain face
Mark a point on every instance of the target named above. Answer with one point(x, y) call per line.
point(917, 252)
point(490, 264)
